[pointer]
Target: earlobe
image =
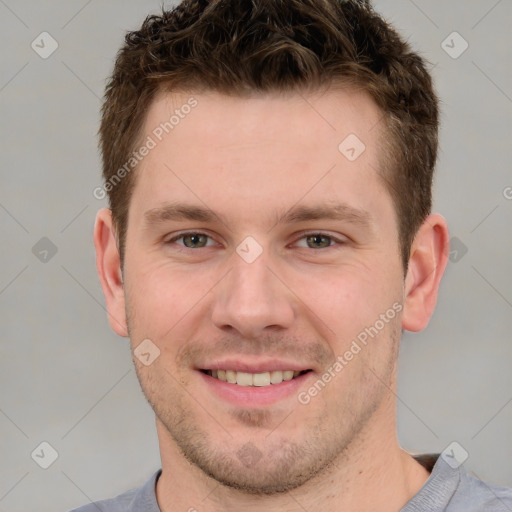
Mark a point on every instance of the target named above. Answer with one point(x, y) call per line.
point(108, 265)
point(427, 263)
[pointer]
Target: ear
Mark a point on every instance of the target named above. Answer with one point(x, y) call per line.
point(108, 263)
point(429, 256)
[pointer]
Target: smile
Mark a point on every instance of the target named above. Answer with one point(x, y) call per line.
point(262, 379)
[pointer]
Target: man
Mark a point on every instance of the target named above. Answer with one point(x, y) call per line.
point(269, 168)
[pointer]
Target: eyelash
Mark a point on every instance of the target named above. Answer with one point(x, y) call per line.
point(333, 239)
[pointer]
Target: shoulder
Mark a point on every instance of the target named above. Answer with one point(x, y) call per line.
point(121, 503)
point(474, 495)
point(451, 489)
point(143, 498)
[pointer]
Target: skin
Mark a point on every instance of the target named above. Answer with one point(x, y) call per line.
point(303, 299)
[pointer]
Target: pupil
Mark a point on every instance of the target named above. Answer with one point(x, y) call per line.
point(318, 241)
point(194, 240)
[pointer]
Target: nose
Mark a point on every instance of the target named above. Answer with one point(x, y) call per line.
point(252, 300)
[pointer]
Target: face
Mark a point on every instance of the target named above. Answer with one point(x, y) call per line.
point(259, 249)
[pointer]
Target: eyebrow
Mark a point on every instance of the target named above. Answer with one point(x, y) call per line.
point(339, 211)
point(182, 211)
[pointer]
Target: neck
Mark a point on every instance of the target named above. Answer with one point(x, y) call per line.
point(374, 473)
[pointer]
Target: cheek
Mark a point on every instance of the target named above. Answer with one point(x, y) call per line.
point(162, 300)
point(346, 299)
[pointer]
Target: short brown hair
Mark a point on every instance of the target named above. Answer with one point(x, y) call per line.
point(244, 46)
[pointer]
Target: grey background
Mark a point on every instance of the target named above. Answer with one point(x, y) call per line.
point(68, 380)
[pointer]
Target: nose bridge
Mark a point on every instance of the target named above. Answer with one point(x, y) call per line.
point(251, 281)
point(252, 299)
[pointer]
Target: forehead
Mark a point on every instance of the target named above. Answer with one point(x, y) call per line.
point(267, 148)
point(330, 114)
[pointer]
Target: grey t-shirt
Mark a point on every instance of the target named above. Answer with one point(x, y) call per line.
point(447, 489)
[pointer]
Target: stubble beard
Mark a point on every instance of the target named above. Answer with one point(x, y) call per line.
point(279, 462)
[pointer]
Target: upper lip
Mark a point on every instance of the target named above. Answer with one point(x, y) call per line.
point(268, 365)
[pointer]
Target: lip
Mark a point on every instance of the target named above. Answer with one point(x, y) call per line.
point(268, 365)
point(254, 396)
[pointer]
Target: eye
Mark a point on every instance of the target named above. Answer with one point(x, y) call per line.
point(192, 240)
point(317, 241)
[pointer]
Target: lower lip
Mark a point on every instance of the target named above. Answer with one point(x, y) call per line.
point(251, 396)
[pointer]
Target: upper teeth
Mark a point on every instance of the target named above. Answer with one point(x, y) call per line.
point(254, 379)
